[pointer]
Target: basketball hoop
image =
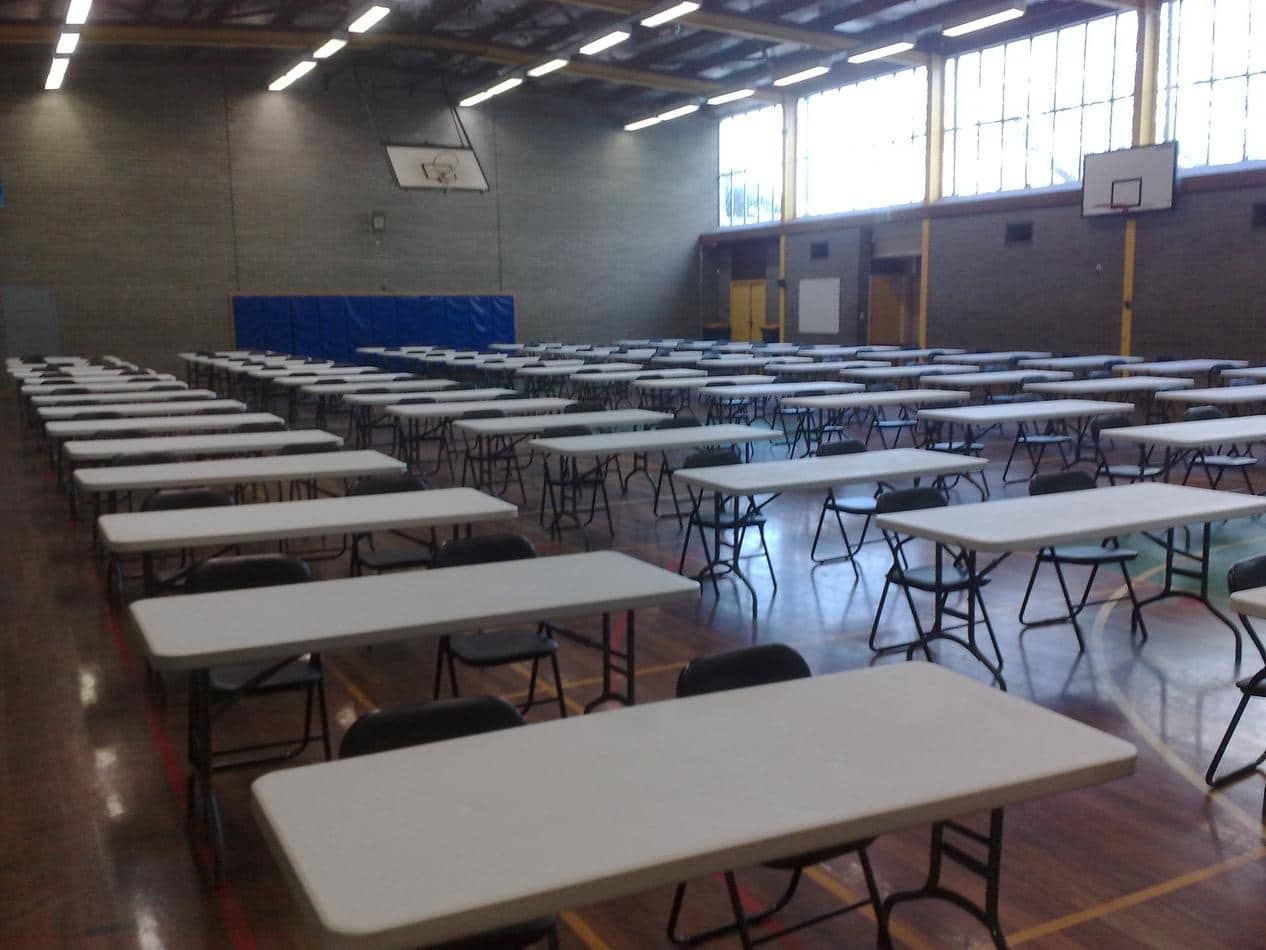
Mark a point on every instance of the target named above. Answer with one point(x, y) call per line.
point(442, 168)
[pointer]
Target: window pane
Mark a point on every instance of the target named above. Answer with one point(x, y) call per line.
point(1041, 149)
point(1096, 128)
point(1042, 73)
point(1100, 49)
point(1256, 146)
point(1228, 106)
point(1015, 87)
point(1193, 126)
point(1014, 154)
point(1230, 38)
point(991, 84)
point(990, 168)
point(749, 164)
point(1070, 60)
point(1123, 123)
point(1123, 68)
point(1067, 164)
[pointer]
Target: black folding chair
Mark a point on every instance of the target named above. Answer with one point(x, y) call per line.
point(365, 555)
point(1221, 459)
point(758, 666)
point(862, 505)
point(1244, 575)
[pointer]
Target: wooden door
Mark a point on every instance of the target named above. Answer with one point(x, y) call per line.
point(890, 308)
point(747, 309)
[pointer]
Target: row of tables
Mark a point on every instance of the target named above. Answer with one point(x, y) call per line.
point(361, 877)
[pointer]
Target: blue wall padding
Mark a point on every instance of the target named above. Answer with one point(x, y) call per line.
point(333, 326)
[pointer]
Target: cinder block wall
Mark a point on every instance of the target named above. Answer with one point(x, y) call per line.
point(144, 194)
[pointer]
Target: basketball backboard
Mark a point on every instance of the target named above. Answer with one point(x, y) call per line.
point(440, 167)
point(1129, 180)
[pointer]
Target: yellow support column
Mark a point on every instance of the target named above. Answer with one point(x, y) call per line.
point(789, 157)
point(1147, 61)
point(932, 181)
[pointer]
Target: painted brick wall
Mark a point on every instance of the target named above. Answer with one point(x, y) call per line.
point(143, 194)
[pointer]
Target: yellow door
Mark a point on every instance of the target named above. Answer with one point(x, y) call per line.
point(889, 308)
point(747, 309)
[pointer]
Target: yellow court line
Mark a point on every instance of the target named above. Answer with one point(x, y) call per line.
point(588, 936)
point(1135, 898)
point(357, 694)
point(596, 680)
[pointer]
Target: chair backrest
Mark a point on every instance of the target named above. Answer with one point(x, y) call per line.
point(301, 448)
point(1055, 482)
point(909, 499)
point(483, 549)
point(484, 414)
point(387, 485)
point(1251, 572)
point(168, 388)
point(168, 499)
point(844, 447)
point(1100, 374)
point(277, 426)
point(750, 666)
point(882, 388)
point(247, 570)
point(406, 400)
point(585, 407)
point(1202, 414)
point(505, 396)
point(566, 431)
point(68, 390)
point(92, 416)
point(683, 420)
point(1109, 422)
point(152, 458)
point(709, 458)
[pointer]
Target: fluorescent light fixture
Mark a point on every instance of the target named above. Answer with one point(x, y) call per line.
point(504, 86)
point(56, 73)
point(734, 96)
point(368, 20)
point(1005, 15)
point(672, 13)
point(78, 12)
point(813, 72)
point(678, 112)
point(642, 124)
point(553, 66)
point(329, 48)
point(614, 38)
point(892, 49)
point(298, 71)
point(66, 43)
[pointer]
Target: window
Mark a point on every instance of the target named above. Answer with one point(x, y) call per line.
point(750, 161)
point(1211, 87)
point(863, 145)
point(1022, 115)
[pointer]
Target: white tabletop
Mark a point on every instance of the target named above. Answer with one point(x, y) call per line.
point(766, 390)
point(1038, 521)
point(1250, 602)
point(1023, 411)
point(676, 382)
point(1080, 363)
point(176, 407)
point(391, 385)
point(1097, 387)
point(913, 371)
point(97, 450)
point(528, 425)
point(732, 362)
point(1195, 435)
point(809, 474)
point(693, 779)
point(1001, 356)
point(180, 633)
point(1180, 367)
point(1245, 372)
point(304, 380)
point(629, 375)
point(240, 471)
point(1217, 395)
point(679, 358)
point(32, 372)
point(655, 440)
point(1009, 377)
point(136, 531)
point(163, 424)
point(435, 395)
point(90, 388)
point(30, 386)
point(558, 368)
point(925, 353)
point(450, 409)
point(98, 400)
point(821, 366)
point(896, 397)
point(830, 352)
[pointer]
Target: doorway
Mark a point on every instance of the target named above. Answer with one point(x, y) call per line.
point(894, 300)
point(747, 309)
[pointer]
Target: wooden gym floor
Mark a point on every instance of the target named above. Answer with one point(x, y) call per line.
point(92, 776)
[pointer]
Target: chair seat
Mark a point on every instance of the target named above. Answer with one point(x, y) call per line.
point(230, 679)
point(957, 446)
point(1133, 471)
point(727, 521)
point(1228, 461)
point(1089, 555)
point(495, 647)
point(853, 505)
point(387, 559)
point(924, 578)
point(896, 423)
point(1044, 438)
point(821, 856)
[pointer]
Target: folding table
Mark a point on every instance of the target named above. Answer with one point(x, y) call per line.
point(984, 359)
point(828, 412)
point(647, 797)
point(432, 422)
point(272, 625)
point(1190, 439)
point(1038, 521)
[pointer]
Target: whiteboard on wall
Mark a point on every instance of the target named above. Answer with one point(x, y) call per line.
point(820, 305)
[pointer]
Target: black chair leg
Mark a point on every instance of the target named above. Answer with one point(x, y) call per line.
point(1211, 776)
point(558, 686)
